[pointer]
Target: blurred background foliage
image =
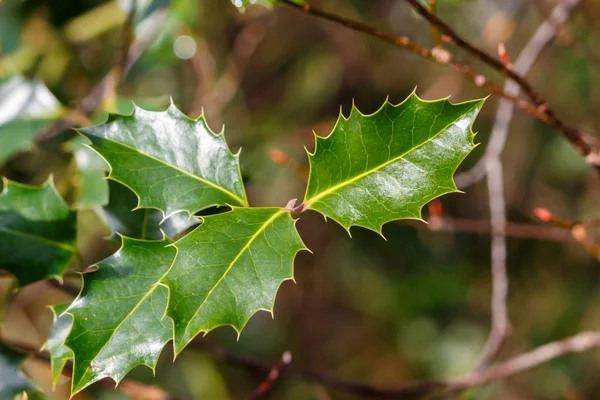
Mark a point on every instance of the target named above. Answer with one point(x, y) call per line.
point(384, 312)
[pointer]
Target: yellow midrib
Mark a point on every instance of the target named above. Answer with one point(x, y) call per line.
point(246, 246)
point(334, 188)
point(242, 201)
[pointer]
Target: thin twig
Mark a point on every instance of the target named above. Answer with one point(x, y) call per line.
point(512, 229)
point(579, 343)
point(573, 135)
point(540, 109)
point(437, 54)
point(267, 383)
point(495, 182)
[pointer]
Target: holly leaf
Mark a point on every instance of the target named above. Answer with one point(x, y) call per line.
point(37, 232)
point(222, 273)
point(171, 162)
point(229, 268)
point(118, 317)
point(145, 223)
point(12, 379)
point(376, 168)
point(55, 344)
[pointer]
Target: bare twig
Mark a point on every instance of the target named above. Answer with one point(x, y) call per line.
point(267, 383)
point(512, 229)
point(540, 109)
point(90, 103)
point(581, 342)
point(437, 54)
point(538, 42)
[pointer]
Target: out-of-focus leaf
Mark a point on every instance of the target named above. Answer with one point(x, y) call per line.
point(26, 109)
point(171, 162)
point(269, 3)
point(37, 232)
point(90, 179)
point(376, 168)
point(12, 379)
point(142, 223)
point(118, 319)
point(59, 353)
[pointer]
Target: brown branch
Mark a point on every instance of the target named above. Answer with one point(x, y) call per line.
point(540, 109)
point(129, 387)
point(512, 229)
point(437, 54)
point(579, 343)
point(573, 135)
point(267, 383)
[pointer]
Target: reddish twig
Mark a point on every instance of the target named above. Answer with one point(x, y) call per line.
point(437, 54)
point(267, 383)
point(573, 135)
point(512, 229)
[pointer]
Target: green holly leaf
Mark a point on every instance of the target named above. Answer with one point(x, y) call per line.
point(171, 162)
point(118, 319)
point(37, 232)
point(376, 168)
point(145, 223)
point(229, 268)
point(222, 273)
point(12, 379)
point(55, 344)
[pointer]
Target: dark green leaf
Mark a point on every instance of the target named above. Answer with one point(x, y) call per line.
point(171, 162)
point(376, 168)
point(37, 232)
point(118, 317)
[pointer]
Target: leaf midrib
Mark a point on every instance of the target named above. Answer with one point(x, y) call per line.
point(242, 201)
point(334, 188)
point(237, 257)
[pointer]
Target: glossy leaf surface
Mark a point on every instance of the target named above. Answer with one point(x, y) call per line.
point(222, 273)
point(376, 168)
point(229, 268)
point(171, 162)
point(37, 232)
point(118, 317)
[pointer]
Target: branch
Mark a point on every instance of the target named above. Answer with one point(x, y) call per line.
point(573, 135)
point(130, 53)
point(579, 343)
point(438, 54)
point(265, 385)
point(540, 109)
